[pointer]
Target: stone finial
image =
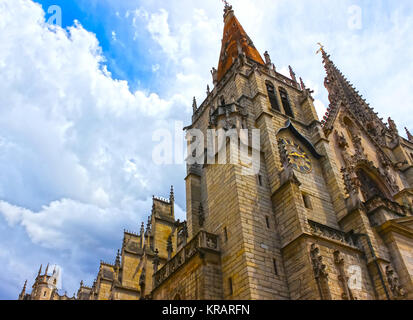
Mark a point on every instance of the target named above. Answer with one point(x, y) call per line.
point(117, 262)
point(81, 283)
point(194, 105)
point(409, 135)
point(392, 125)
point(397, 290)
point(292, 74)
point(142, 228)
point(172, 195)
point(302, 84)
point(208, 90)
point(267, 58)
point(214, 73)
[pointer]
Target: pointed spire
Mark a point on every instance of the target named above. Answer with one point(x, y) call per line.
point(40, 270)
point(342, 93)
point(235, 42)
point(194, 105)
point(142, 228)
point(47, 269)
point(409, 135)
point(24, 289)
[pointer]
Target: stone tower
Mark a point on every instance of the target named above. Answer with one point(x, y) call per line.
point(332, 200)
point(44, 287)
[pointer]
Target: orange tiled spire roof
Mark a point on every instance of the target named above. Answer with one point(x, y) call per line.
point(234, 40)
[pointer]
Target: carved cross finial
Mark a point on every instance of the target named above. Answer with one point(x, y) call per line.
point(321, 49)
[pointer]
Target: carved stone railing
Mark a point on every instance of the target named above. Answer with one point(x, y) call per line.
point(203, 240)
point(331, 233)
point(379, 202)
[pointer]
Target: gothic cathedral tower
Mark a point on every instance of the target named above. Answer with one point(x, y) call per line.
point(332, 200)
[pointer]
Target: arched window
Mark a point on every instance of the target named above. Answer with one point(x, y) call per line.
point(369, 187)
point(286, 103)
point(272, 95)
point(177, 297)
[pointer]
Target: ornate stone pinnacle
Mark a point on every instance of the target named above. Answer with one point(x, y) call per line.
point(409, 135)
point(194, 105)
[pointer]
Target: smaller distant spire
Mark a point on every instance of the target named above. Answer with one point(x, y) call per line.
point(142, 228)
point(409, 135)
point(47, 269)
point(40, 270)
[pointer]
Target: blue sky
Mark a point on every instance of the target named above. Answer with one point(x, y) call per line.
point(79, 105)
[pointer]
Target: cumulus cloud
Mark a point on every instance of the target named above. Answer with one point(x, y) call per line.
point(69, 133)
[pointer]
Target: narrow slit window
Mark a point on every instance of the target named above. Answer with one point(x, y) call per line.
point(286, 102)
point(230, 285)
point(275, 267)
point(225, 234)
point(307, 201)
point(267, 220)
point(272, 95)
point(260, 180)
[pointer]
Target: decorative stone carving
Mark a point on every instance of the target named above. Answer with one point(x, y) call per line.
point(201, 216)
point(393, 280)
point(203, 240)
point(320, 272)
point(342, 277)
point(341, 140)
point(330, 233)
point(169, 247)
point(156, 261)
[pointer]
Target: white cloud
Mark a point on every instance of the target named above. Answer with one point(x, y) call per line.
point(66, 128)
